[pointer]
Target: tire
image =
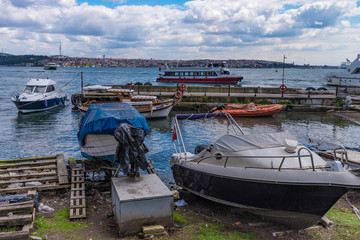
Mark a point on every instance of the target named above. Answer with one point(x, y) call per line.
point(289, 108)
point(322, 89)
point(77, 99)
point(138, 83)
point(200, 148)
point(148, 84)
point(310, 89)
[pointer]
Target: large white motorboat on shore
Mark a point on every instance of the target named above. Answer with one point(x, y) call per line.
point(272, 175)
point(350, 77)
point(39, 95)
point(212, 74)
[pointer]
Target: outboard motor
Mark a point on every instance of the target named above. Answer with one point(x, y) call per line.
point(130, 151)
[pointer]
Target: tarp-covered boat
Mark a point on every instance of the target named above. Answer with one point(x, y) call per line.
point(249, 110)
point(96, 134)
point(272, 175)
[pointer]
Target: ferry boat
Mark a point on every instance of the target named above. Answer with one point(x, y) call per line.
point(50, 66)
point(39, 95)
point(212, 74)
point(350, 77)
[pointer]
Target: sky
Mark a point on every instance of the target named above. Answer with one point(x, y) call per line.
point(319, 32)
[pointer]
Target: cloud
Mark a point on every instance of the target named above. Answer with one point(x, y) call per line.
point(229, 27)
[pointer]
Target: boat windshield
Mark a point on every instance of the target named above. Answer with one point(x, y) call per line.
point(39, 89)
point(29, 89)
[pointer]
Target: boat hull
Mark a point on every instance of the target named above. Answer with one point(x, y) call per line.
point(101, 146)
point(262, 111)
point(343, 81)
point(296, 205)
point(208, 80)
point(38, 106)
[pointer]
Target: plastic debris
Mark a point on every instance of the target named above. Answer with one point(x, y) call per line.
point(181, 203)
point(45, 209)
point(10, 214)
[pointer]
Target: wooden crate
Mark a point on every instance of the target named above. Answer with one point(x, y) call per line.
point(22, 175)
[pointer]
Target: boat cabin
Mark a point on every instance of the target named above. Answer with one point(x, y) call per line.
point(39, 86)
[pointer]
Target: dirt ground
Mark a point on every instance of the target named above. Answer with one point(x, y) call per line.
point(198, 212)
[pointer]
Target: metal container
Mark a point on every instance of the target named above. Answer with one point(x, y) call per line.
point(140, 203)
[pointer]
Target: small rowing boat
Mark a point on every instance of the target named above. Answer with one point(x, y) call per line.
point(248, 110)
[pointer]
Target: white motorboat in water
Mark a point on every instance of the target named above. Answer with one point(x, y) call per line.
point(39, 95)
point(272, 175)
point(50, 66)
point(350, 77)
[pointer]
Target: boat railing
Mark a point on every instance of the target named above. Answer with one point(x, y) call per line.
point(278, 168)
point(342, 150)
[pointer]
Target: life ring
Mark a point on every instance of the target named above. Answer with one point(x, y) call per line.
point(182, 86)
point(282, 88)
point(178, 94)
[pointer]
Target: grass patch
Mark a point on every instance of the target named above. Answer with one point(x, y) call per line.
point(217, 232)
point(180, 219)
point(346, 222)
point(60, 222)
point(8, 229)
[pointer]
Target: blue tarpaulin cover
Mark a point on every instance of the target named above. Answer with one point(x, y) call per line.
point(103, 118)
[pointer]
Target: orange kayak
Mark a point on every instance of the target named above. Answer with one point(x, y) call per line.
point(249, 110)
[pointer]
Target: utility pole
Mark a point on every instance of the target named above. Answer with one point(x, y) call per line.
point(283, 78)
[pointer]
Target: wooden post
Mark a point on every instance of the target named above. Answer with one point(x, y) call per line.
point(82, 83)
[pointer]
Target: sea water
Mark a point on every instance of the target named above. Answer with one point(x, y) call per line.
point(55, 131)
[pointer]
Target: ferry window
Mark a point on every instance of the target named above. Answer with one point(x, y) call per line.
point(50, 88)
point(213, 73)
point(356, 71)
point(226, 72)
point(176, 74)
point(191, 74)
point(39, 89)
point(167, 74)
point(28, 89)
point(186, 73)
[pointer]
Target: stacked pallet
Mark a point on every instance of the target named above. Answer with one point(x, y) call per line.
point(16, 220)
point(77, 198)
point(39, 173)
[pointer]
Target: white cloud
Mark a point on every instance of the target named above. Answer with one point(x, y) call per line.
point(207, 29)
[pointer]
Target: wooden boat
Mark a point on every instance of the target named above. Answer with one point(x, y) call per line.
point(249, 110)
point(148, 106)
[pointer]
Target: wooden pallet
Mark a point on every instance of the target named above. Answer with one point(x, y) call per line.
point(19, 216)
point(77, 198)
point(19, 175)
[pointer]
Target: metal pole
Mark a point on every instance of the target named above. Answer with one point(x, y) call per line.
point(283, 76)
point(82, 83)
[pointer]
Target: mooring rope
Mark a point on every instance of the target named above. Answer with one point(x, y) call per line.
point(354, 209)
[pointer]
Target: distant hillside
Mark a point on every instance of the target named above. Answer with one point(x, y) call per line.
point(15, 60)
point(5, 54)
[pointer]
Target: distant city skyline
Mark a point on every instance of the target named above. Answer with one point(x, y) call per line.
point(323, 32)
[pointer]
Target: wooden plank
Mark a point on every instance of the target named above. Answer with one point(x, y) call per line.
point(61, 169)
point(15, 165)
point(45, 174)
point(49, 167)
point(27, 159)
point(25, 208)
point(18, 235)
point(45, 179)
point(38, 188)
point(16, 220)
point(19, 203)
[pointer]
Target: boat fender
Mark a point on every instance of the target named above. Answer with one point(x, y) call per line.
point(200, 148)
point(57, 100)
point(178, 94)
point(62, 100)
point(182, 86)
point(283, 88)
